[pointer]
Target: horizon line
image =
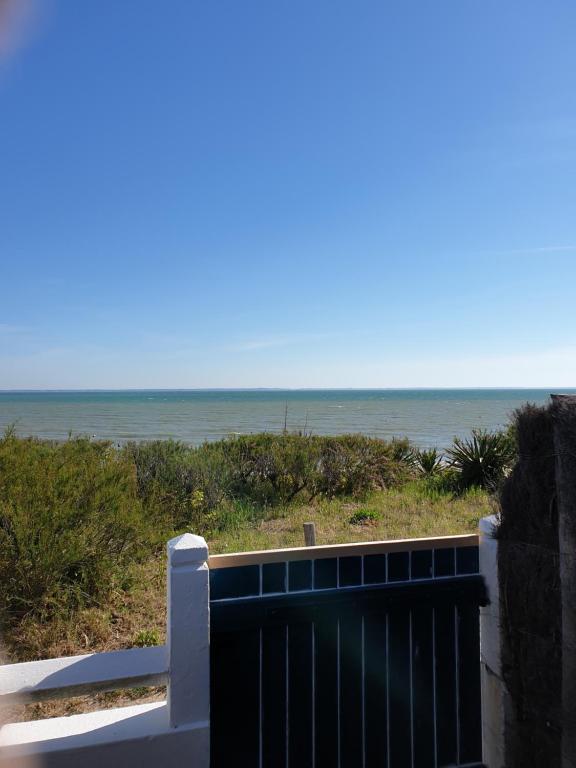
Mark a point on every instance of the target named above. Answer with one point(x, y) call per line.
point(276, 389)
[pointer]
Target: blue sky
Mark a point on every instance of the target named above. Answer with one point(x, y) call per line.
point(288, 193)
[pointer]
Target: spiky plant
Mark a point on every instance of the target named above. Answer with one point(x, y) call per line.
point(402, 451)
point(483, 459)
point(429, 461)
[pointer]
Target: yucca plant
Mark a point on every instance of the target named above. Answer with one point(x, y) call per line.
point(483, 459)
point(429, 462)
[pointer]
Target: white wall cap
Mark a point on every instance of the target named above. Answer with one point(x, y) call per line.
point(133, 737)
point(489, 526)
point(187, 548)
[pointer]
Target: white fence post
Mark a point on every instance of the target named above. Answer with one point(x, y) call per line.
point(188, 631)
point(493, 687)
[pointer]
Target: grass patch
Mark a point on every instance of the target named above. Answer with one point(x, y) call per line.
point(410, 511)
point(364, 517)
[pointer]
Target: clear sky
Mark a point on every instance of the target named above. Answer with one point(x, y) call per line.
point(341, 193)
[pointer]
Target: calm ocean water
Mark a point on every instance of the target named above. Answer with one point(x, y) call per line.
point(427, 417)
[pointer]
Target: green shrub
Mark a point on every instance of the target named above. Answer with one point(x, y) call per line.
point(182, 486)
point(353, 465)
point(402, 451)
point(146, 638)
point(483, 459)
point(443, 483)
point(178, 484)
point(363, 516)
point(69, 522)
point(267, 469)
point(232, 515)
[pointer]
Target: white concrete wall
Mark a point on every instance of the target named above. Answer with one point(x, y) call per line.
point(493, 688)
point(130, 737)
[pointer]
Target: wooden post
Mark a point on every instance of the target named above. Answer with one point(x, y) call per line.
point(188, 632)
point(564, 413)
point(310, 534)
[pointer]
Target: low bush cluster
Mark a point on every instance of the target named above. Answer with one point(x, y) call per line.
point(69, 522)
point(264, 470)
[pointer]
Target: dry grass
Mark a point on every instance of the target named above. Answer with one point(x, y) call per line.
point(408, 512)
point(117, 624)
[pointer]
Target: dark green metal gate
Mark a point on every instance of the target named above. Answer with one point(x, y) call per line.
point(349, 662)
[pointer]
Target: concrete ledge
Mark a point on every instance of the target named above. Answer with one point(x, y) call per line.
point(129, 736)
point(75, 675)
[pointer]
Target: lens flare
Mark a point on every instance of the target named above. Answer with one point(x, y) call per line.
point(16, 24)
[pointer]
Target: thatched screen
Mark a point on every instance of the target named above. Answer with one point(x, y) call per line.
point(531, 604)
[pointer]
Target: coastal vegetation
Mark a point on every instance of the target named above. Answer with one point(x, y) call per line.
point(75, 515)
point(484, 459)
point(83, 523)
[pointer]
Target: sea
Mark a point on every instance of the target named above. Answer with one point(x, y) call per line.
point(428, 417)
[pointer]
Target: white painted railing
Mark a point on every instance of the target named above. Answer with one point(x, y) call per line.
point(76, 675)
point(169, 733)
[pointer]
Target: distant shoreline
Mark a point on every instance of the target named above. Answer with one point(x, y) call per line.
point(294, 389)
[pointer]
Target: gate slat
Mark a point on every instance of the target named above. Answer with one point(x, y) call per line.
point(351, 662)
point(423, 687)
point(300, 705)
point(376, 684)
point(445, 644)
point(274, 697)
point(400, 693)
point(326, 692)
point(469, 683)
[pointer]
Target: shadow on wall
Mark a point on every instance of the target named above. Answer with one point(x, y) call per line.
point(29, 762)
